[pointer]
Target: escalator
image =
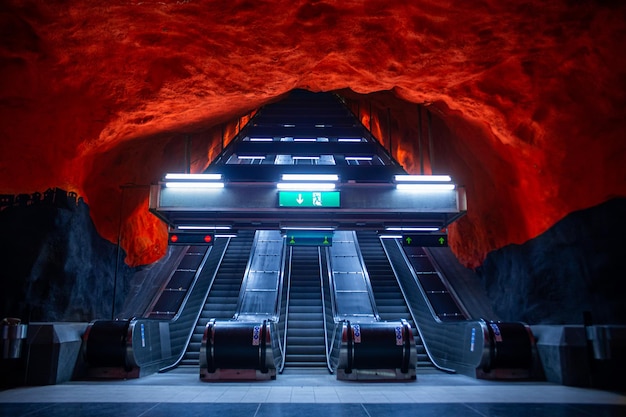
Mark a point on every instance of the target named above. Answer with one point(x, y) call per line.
point(221, 302)
point(388, 295)
point(305, 341)
point(454, 342)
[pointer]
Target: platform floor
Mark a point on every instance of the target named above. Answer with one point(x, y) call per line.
point(305, 393)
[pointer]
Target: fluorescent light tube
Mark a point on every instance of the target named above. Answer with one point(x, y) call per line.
point(205, 177)
point(310, 177)
point(204, 227)
point(411, 229)
point(425, 187)
point(306, 186)
point(194, 184)
point(423, 178)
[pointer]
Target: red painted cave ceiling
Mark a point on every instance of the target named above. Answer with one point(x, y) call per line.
point(527, 98)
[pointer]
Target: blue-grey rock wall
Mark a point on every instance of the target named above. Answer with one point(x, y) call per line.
point(54, 266)
point(577, 265)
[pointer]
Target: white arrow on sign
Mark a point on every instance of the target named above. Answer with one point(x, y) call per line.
point(300, 200)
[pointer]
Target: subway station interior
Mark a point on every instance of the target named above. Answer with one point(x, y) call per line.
point(324, 248)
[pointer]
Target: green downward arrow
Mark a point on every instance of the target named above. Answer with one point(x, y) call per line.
point(408, 240)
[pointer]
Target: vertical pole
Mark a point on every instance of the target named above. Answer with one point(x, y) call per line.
point(430, 142)
point(419, 138)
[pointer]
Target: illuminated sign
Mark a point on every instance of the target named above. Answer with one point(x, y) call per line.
point(309, 238)
point(190, 239)
point(431, 240)
point(308, 199)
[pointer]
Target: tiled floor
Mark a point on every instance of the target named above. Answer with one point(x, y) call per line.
point(309, 394)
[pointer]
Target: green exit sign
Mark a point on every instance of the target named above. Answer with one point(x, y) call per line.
point(425, 240)
point(308, 199)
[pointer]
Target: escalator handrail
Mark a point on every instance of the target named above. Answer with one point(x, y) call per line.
point(417, 327)
point(366, 276)
point(197, 316)
point(284, 346)
point(321, 272)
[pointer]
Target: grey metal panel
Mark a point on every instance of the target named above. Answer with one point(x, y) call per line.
point(264, 197)
point(352, 292)
point(259, 291)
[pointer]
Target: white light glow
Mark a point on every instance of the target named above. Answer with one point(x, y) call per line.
point(306, 186)
point(250, 157)
point(203, 177)
point(359, 158)
point(289, 125)
point(423, 178)
point(349, 140)
point(261, 140)
point(226, 235)
point(425, 187)
point(321, 228)
point(390, 236)
point(194, 184)
point(310, 177)
point(310, 158)
point(204, 227)
point(305, 139)
point(411, 229)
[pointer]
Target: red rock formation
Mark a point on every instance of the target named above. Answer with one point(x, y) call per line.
point(527, 98)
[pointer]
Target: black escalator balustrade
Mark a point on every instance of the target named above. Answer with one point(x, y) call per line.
point(305, 318)
point(388, 295)
point(221, 302)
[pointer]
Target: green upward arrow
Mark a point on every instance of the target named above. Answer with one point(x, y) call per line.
point(325, 242)
point(408, 240)
point(292, 241)
point(441, 240)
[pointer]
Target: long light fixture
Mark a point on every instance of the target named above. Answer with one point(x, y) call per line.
point(424, 183)
point(203, 177)
point(308, 182)
point(390, 236)
point(359, 158)
point(306, 186)
point(213, 227)
point(425, 187)
point(310, 177)
point(423, 178)
point(311, 228)
point(194, 181)
point(349, 140)
point(411, 229)
point(261, 139)
point(194, 184)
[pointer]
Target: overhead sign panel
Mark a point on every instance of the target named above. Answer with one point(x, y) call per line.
point(191, 238)
point(429, 240)
point(308, 199)
point(301, 238)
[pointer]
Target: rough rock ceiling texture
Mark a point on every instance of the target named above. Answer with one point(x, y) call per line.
point(528, 97)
